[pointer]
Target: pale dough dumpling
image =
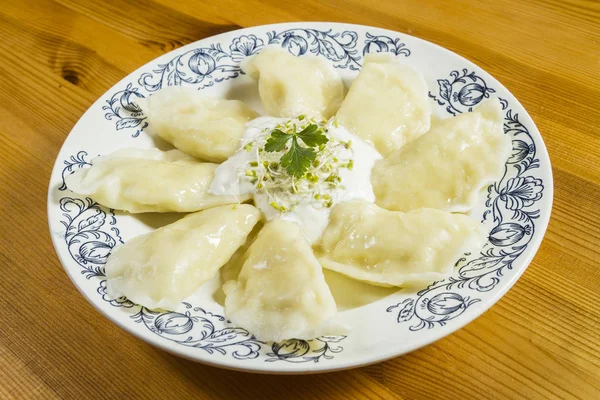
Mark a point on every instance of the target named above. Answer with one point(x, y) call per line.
point(203, 127)
point(387, 104)
point(149, 180)
point(448, 166)
point(231, 269)
point(290, 86)
point(280, 292)
point(383, 247)
point(163, 267)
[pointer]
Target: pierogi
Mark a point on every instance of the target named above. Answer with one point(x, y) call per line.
point(368, 243)
point(324, 196)
point(387, 104)
point(149, 180)
point(163, 267)
point(280, 292)
point(290, 86)
point(232, 268)
point(201, 126)
point(448, 166)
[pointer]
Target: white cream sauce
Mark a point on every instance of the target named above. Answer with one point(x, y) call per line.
point(309, 214)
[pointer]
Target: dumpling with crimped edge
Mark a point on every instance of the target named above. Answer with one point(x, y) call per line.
point(387, 104)
point(289, 86)
point(281, 292)
point(149, 180)
point(199, 125)
point(448, 166)
point(391, 248)
point(163, 267)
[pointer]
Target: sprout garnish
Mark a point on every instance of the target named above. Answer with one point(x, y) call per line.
point(297, 160)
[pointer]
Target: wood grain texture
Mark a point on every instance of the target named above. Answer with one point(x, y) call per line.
point(542, 340)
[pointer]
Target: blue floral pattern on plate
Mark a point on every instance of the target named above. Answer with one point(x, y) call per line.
point(122, 106)
point(203, 67)
point(511, 206)
point(88, 240)
point(515, 192)
point(90, 235)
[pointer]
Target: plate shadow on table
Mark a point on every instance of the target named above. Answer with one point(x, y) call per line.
point(228, 384)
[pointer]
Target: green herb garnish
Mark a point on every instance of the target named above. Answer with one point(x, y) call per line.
point(312, 136)
point(277, 141)
point(297, 159)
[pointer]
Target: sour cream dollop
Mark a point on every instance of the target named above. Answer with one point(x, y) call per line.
point(308, 212)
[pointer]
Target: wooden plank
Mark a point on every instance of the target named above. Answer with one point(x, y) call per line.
point(541, 340)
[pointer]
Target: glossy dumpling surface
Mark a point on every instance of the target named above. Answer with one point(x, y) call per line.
point(290, 86)
point(203, 127)
point(231, 269)
point(387, 104)
point(280, 292)
point(149, 180)
point(448, 166)
point(368, 243)
point(161, 268)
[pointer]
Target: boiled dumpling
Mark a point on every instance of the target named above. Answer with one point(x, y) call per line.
point(383, 247)
point(387, 104)
point(163, 267)
point(447, 167)
point(149, 180)
point(280, 292)
point(290, 86)
point(233, 266)
point(203, 127)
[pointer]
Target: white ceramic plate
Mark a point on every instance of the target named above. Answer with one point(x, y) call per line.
point(383, 323)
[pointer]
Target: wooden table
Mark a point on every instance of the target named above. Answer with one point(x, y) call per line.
point(542, 340)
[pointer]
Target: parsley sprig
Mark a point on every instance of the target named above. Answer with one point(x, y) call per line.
point(297, 161)
point(297, 158)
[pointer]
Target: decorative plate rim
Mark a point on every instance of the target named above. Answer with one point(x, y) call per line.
point(394, 349)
